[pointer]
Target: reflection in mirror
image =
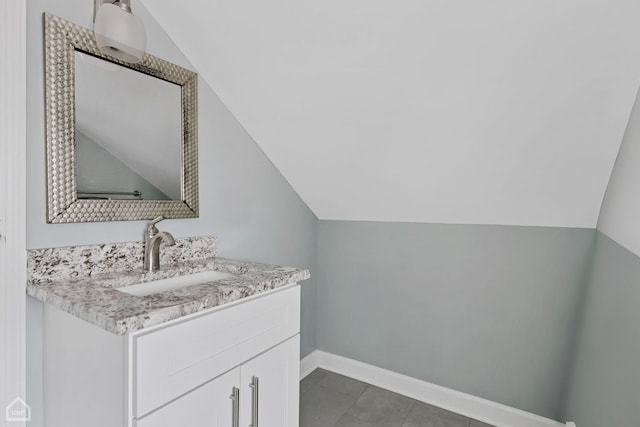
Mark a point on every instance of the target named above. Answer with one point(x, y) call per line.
point(128, 133)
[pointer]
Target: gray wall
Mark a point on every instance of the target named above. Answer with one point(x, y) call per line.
point(244, 200)
point(605, 390)
point(486, 310)
point(605, 386)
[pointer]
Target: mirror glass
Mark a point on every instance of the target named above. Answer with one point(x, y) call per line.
point(128, 133)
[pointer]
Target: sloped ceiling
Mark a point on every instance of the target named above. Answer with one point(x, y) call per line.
point(463, 111)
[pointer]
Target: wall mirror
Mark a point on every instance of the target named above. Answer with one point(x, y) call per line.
point(121, 138)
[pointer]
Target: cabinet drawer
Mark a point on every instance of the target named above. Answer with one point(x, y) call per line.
point(171, 361)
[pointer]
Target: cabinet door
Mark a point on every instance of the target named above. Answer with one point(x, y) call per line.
point(271, 378)
point(208, 406)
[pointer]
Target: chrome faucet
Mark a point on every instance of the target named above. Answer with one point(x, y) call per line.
point(152, 239)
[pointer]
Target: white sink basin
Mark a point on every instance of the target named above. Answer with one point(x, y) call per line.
point(173, 283)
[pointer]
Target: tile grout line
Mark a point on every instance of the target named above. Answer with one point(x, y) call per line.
point(353, 404)
point(404, 421)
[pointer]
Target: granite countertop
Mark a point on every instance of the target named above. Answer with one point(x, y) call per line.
point(55, 279)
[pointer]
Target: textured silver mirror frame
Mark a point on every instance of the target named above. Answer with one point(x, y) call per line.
point(62, 39)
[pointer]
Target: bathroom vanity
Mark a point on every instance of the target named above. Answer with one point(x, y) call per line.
point(202, 341)
point(222, 353)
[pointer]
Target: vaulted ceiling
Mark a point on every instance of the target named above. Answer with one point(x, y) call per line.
point(464, 111)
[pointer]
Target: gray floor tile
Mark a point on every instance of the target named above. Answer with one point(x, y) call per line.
point(351, 421)
point(343, 384)
point(381, 407)
point(423, 415)
point(331, 400)
point(323, 407)
point(312, 379)
point(476, 423)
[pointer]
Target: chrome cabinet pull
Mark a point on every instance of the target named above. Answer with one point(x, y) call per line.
point(235, 397)
point(254, 401)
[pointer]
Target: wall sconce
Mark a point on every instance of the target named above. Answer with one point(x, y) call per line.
point(119, 33)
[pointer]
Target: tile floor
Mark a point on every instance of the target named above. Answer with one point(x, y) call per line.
point(331, 400)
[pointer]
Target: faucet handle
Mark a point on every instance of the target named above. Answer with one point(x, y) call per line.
point(151, 227)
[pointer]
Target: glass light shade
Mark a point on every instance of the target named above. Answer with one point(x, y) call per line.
point(120, 34)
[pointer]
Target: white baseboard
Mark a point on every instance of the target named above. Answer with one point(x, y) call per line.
point(570, 424)
point(309, 364)
point(474, 407)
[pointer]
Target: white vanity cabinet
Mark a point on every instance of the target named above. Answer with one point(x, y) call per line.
point(232, 366)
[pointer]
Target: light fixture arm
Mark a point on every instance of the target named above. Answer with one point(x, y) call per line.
point(123, 4)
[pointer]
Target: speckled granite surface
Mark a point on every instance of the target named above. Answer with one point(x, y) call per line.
point(83, 261)
point(83, 280)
